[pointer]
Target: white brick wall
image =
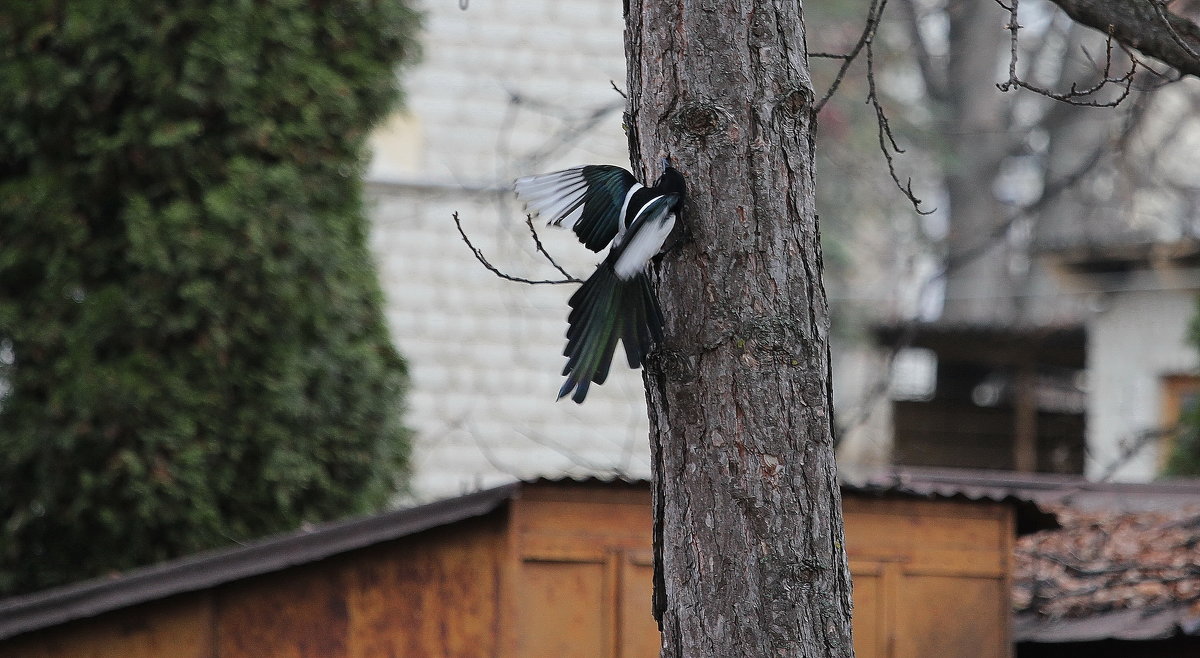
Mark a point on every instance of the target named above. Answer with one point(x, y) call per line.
point(485, 354)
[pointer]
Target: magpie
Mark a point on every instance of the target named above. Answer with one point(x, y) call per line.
point(606, 206)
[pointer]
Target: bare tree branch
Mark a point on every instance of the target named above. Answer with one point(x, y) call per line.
point(1130, 446)
point(1144, 25)
point(1161, 11)
point(508, 277)
point(873, 15)
point(887, 141)
point(574, 457)
point(1076, 96)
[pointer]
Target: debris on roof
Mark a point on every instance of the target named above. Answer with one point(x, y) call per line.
point(1110, 575)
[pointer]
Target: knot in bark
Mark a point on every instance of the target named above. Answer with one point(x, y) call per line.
point(698, 118)
point(797, 100)
point(772, 333)
point(673, 365)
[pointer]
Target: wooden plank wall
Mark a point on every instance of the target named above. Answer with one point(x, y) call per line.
point(565, 571)
point(585, 572)
point(931, 577)
point(179, 626)
point(435, 594)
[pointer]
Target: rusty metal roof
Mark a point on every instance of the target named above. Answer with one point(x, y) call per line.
point(957, 484)
point(902, 482)
point(21, 614)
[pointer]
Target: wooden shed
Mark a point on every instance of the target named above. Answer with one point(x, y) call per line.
point(549, 568)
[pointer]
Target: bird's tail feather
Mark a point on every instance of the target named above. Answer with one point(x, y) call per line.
point(605, 309)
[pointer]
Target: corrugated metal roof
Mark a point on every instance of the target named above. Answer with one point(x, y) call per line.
point(21, 614)
point(1129, 624)
point(955, 484)
point(939, 484)
point(1044, 489)
point(591, 478)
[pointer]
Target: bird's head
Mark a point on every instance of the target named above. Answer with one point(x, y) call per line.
point(671, 181)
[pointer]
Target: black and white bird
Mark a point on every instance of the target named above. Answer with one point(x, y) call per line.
point(605, 204)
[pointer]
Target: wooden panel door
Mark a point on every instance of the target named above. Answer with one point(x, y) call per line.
point(870, 627)
point(637, 630)
point(952, 615)
point(564, 609)
point(578, 604)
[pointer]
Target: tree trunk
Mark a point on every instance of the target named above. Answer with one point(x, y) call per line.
point(979, 289)
point(748, 523)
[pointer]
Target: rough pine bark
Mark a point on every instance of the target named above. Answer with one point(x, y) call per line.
point(748, 524)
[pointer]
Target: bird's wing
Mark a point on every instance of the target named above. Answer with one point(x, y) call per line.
point(645, 236)
point(587, 199)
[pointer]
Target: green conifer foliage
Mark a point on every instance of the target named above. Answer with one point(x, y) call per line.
point(192, 349)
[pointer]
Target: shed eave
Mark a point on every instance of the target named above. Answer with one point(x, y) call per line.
point(43, 609)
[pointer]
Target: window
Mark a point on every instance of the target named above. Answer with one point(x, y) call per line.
point(1180, 394)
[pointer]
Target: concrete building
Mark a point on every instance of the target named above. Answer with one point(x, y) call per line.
point(1141, 366)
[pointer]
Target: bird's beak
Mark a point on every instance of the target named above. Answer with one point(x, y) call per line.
point(666, 161)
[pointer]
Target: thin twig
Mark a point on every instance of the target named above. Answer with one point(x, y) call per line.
point(887, 140)
point(489, 456)
point(1051, 190)
point(1075, 96)
point(537, 241)
point(574, 457)
point(1130, 446)
point(494, 270)
point(868, 33)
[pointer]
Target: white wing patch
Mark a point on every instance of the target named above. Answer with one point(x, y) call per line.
point(558, 197)
point(645, 244)
point(625, 208)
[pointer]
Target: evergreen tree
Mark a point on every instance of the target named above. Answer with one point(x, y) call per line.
point(192, 350)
